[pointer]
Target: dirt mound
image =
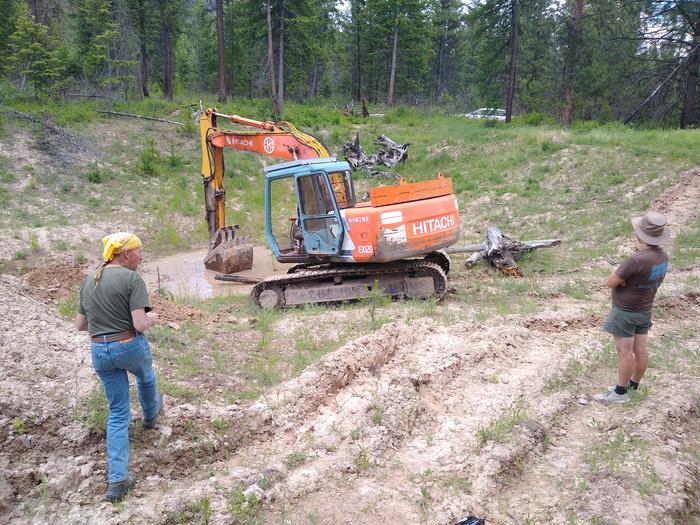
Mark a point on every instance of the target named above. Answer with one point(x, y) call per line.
point(55, 282)
point(171, 312)
point(556, 325)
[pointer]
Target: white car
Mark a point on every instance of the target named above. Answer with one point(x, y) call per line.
point(488, 113)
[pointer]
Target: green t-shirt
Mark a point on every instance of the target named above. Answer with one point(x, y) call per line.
point(108, 307)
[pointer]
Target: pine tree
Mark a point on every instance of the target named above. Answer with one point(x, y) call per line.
point(34, 56)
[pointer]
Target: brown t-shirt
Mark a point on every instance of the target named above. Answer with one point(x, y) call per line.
point(643, 273)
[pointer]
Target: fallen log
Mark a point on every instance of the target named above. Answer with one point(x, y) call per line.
point(501, 251)
point(133, 115)
point(236, 278)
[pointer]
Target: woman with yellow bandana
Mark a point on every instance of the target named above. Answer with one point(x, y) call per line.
point(114, 309)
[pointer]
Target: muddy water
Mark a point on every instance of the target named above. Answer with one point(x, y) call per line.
point(183, 274)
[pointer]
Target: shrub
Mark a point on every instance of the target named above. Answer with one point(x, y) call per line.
point(148, 162)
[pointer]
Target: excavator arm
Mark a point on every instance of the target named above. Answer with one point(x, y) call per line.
point(273, 139)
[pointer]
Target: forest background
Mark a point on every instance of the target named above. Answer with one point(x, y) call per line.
point(544, 60)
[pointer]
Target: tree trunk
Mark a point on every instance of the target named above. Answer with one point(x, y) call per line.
point(280, 57)
point(166, 51)
point(357, 57)
point(315, 78)
point(392, 74)
point(439, 67)
point(514, 30)
point(691, 86)
point(271, 62)
point(144, 51)
point(570, 77)
point(34, 9)
point(220, 48)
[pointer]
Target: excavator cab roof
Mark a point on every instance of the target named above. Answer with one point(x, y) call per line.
point(329, 163)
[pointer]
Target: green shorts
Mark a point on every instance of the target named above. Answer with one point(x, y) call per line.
point(627, 324)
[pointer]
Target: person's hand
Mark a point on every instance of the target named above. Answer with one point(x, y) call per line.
point(152, 318)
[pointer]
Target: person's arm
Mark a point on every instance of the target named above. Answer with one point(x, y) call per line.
point(614, 281)
point(81, 323)
point(142, 320)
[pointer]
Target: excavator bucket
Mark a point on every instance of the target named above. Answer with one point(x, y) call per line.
point(230, 252)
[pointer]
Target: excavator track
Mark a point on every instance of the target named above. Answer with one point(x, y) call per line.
point(415, 279)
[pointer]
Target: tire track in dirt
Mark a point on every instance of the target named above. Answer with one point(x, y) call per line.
point(679, 203)
point(484, 468)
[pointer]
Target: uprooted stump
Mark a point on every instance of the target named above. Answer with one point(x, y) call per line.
point(390, 153)
point(501, 251)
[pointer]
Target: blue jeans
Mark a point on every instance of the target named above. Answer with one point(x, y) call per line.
point(112, 361)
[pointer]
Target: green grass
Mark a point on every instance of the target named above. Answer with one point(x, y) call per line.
point(501, 428)
point(686, 249)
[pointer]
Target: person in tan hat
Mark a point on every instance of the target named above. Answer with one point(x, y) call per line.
point(115, 310)
point(634, 285)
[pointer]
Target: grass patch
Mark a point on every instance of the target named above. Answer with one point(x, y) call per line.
point(686, 248)
point(295, 459)
point(68, 307)
point(502, 427)
point(95, 411)
point(243, 509)
point(196, 512)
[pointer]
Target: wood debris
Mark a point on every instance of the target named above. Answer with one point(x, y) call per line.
point(501, 251)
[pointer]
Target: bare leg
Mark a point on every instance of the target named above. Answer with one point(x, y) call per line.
point(641, 357)
point(626, 365)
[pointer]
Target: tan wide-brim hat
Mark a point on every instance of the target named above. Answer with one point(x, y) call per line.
point(651, 228)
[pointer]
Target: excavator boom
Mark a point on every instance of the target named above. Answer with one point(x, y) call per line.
point(228, 252)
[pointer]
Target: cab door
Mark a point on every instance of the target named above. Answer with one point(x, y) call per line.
point(319, 216)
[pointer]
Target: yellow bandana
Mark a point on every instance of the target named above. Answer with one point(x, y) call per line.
point(117, 243)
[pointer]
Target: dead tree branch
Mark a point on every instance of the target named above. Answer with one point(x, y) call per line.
point(501, 251)
point(132, 115)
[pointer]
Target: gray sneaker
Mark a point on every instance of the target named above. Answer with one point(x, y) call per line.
point(611, 397)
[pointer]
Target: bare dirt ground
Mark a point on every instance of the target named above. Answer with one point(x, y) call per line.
point(427, 419)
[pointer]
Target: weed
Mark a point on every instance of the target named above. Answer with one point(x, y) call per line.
point(425, 500)
point(361, 460)
point(648, 482)
point(295, 459)
point(96, 411)
point(21, 255)
point(499, 429)
point(173, 160)
point(610, 456)
point(377, 413)
point(375, 299)
point(242, 509)
point(68, 307)
point(581, 484)
point(18, 426)
point(458, 484)
point(312, 518)
point(197, 512)
point(187, 363)
point(574, 369)
point(219, 424)
point(34, 242)
point(94, 175)
point(60, 245)
point(177, 390)
point(148, 162)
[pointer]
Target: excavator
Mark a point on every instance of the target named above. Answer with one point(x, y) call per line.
point(341, 248)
